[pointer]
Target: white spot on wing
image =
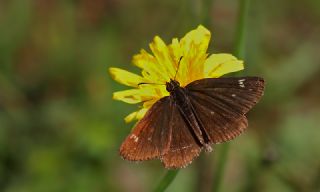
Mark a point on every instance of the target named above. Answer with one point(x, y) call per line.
point(134, 137)
point(211, 112)
point(241, 84)
point(233, 95)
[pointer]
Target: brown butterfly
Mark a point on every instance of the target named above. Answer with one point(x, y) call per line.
point(205, 112)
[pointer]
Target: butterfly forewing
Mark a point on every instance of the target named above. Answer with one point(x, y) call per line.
point(151, 136)
point(221, 103)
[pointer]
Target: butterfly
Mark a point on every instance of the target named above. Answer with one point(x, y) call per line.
point(193, 118)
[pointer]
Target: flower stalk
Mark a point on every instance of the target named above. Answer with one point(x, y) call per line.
point(166, 180)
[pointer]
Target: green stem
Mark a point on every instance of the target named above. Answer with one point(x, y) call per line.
point(206, 17)
point(240, 53)
point(222, 161)
point(166, 180)
point(240, 36)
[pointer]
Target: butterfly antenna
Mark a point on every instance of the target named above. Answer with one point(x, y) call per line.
point(149, 84)
point(178, 67)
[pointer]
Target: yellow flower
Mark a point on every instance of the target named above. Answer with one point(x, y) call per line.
point(161, 66)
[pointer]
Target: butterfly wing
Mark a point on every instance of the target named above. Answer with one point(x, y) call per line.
point(163, 133)
point(220, 104)
point(183, 147)
point(151, 137)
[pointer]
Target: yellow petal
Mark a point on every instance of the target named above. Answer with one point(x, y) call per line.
point(219, 64)
point(125, 77)
point(133, 96)
point(199, 37)
point(144, 93)
point(193, 46)
point(175, 50)
point(164, 60)
point(149, 103)
point(130, 117)
point(149, 64)
point(141, 113)
point(177, 54)
point(135, 115)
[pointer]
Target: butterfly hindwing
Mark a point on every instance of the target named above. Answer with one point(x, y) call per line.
point(162, 133)
point(220, 104)
point(151, 136)
point(183, 147)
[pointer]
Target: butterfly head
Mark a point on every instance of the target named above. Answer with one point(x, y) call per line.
point(172, 85)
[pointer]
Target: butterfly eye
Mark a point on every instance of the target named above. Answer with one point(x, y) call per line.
point(169, 87)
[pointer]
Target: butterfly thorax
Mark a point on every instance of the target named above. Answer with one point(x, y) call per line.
point(178, 94)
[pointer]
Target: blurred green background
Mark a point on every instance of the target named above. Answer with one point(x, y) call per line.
point(60, 130)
